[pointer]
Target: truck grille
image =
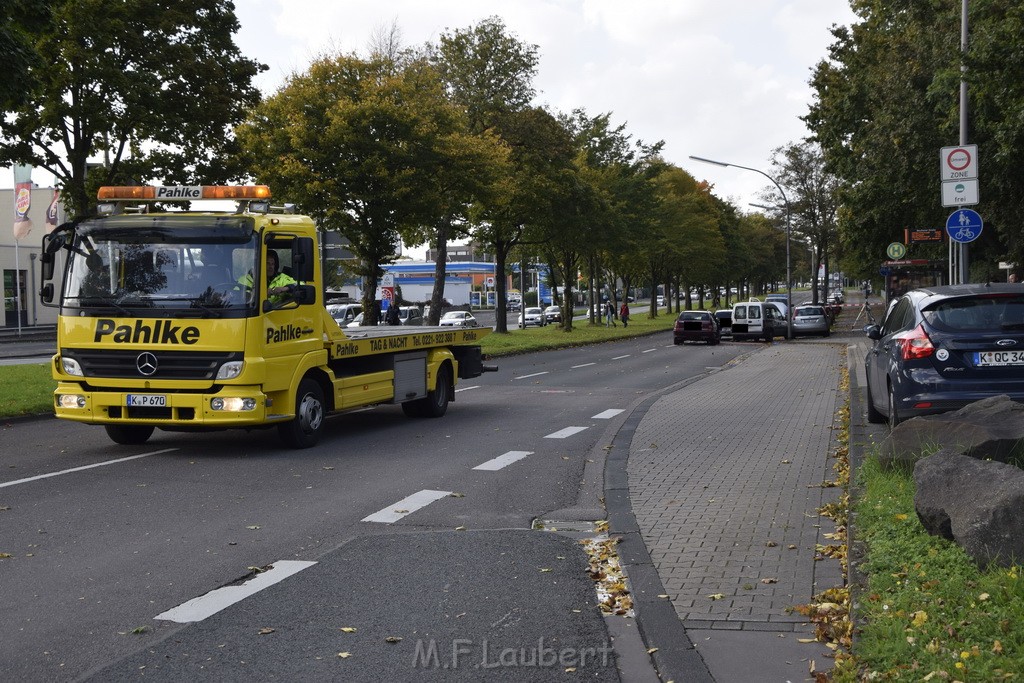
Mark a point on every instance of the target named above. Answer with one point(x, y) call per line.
point(169, 364)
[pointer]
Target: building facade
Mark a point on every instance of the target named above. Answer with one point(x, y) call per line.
point(19, 258)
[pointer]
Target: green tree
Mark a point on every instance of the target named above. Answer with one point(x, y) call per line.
point(813, 195)
point(370, 148)
point(488, 73)
point(530, 194)
point(20, 22)
point(887, 99)
point(150, 87)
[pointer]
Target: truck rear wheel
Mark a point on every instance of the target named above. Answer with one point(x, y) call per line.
point(129, 435)
point(436, 402)
point(304, 429)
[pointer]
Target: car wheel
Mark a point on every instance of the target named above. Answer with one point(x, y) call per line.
point(874, 415)
point(894, 415)
point(129, 435)
point(303, 430)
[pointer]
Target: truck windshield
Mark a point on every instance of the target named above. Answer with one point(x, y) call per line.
point(189, 267)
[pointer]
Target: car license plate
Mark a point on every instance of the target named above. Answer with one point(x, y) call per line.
point(148, 400)
point(992, 358)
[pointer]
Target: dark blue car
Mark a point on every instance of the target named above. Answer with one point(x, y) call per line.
point(940, 348)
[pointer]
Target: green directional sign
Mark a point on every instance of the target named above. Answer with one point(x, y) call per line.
point(896, 251)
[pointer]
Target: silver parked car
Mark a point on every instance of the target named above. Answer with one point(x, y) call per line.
point(458, 319)
point(810, 319)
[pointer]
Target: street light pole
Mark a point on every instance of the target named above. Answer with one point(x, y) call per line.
point(789, 268)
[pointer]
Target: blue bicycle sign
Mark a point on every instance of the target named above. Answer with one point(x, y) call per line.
point(964, 225)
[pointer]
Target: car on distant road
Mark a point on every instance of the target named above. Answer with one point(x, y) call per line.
point(533, 315)
point(809, 319)
point(344, 313)
point(410, 315)
point(696, 326)
point(553, 314)
point(458, 319)
point(940, 348)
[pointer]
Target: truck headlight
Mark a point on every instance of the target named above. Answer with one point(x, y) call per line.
point(233, 404)
point(71, 401)
point(71, 366)
point(230, 370)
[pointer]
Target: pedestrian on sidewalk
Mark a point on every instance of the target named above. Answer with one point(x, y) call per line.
point(624, 314)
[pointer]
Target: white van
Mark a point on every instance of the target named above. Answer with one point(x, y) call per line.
point(755, 320)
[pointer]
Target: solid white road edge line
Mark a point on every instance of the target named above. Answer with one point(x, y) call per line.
point(207, 605)
point(84, 467)
point(501, 461)
point(565, 433)
point(406, 506)
point(536, 374)
point(607, 415)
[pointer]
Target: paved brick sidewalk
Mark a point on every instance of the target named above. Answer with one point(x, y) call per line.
point(725, 479)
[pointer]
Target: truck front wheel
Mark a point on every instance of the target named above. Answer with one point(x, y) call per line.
point(436, 402)
point(129, 435)
point(303, 430)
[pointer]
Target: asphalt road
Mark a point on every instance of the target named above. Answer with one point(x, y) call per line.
point(415, 532)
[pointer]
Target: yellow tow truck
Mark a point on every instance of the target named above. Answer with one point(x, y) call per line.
point(167, 321)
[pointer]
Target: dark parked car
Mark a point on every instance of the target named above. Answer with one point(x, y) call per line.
point(696, 326)
point(940, 348)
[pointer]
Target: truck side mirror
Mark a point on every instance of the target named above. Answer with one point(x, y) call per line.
point(46, 291)
point(303, 259)
point(51, 243)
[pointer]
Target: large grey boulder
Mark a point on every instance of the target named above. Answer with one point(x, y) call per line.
point(992, 428)
point(976, 503)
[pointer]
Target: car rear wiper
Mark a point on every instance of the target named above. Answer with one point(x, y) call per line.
point(1012, 326)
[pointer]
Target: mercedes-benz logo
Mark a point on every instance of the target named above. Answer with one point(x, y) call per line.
point(147, 363)
point(1006, 342)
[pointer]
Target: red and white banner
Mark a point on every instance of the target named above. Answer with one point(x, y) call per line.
point(51, 211)
point(22, 201)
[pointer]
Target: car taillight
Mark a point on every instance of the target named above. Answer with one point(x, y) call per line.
point(914, 344)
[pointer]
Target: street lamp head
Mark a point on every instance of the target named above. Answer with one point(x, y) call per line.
point(709, 161)
point(766, 207)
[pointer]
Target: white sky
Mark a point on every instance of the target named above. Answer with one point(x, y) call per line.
point(722, 79)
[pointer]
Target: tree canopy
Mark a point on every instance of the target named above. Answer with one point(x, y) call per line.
point(153, 88)
point(887, 99)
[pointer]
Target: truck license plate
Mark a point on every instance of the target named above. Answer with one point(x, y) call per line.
point(149, 400)
point(989, 358)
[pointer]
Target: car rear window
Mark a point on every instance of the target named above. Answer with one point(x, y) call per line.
point(977, 314)
point(693, 315)
point(810, 310)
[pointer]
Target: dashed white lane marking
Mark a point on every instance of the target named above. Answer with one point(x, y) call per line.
point(84, 467)
point(648, 350)
point(608, 414)
point(501, 461)
point(536, 374)
point(406, 506)
point(207, 605)
point(621, 357)
point(565, 433)
point(584, 365)
point(476, 386)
